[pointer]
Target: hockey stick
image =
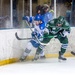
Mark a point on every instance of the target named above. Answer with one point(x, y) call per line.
point(73, 53)
point(21, 38)
point(31, 38)
point(35, 35)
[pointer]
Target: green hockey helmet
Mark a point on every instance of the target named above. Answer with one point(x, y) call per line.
point(60, 20)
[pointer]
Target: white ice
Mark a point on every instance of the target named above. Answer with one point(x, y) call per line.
point(49, 66)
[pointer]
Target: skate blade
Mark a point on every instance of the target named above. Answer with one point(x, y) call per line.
point(35, 59)
point(21, 60)
point(60, 60)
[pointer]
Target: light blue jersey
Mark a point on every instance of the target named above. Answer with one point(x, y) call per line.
point(47, 17)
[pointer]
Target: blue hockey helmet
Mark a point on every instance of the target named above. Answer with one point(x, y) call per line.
point(38, 17)
point(42, 25)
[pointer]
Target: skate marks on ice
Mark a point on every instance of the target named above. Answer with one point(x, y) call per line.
point(40, 67)
point(49, 60)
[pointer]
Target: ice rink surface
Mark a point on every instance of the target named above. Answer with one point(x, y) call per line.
point(49, 66)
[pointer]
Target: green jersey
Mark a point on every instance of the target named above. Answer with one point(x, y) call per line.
point(54, 28)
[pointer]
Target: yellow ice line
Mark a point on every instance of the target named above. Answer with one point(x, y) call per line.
point(12, 60)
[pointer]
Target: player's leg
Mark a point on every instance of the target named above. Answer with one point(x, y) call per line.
point(26, 52)
point(42, 54)
point(39, 53)
point(36, 55)
point(41, 47)
point(64, 42)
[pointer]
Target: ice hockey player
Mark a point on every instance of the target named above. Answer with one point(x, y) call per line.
point(37, 32)
point(58, 28)
point(39, 26)
point(46, 16)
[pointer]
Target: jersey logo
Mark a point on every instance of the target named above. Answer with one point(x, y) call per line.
point(54, 28)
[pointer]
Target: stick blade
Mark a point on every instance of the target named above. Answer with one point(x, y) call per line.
point(17, 36)
point(73, 53)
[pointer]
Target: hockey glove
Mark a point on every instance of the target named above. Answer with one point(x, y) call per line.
point(27, 18)
point(46, 31)
point(64, 33)
point(34, 34)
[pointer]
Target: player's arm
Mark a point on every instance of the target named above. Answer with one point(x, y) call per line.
point(27, 18)
point(66, 29)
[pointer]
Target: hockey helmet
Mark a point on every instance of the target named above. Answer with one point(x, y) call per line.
point(45, 6)
point(60, 20)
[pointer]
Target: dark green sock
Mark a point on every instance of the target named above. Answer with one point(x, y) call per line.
point(63, 51)
point(38, 50)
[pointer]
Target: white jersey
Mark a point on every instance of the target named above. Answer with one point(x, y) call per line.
point(38, 30)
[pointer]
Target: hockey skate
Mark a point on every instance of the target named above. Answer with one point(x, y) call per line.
point(61, 58)
point(36, 57)
point(42, 57)
point(23, 58)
